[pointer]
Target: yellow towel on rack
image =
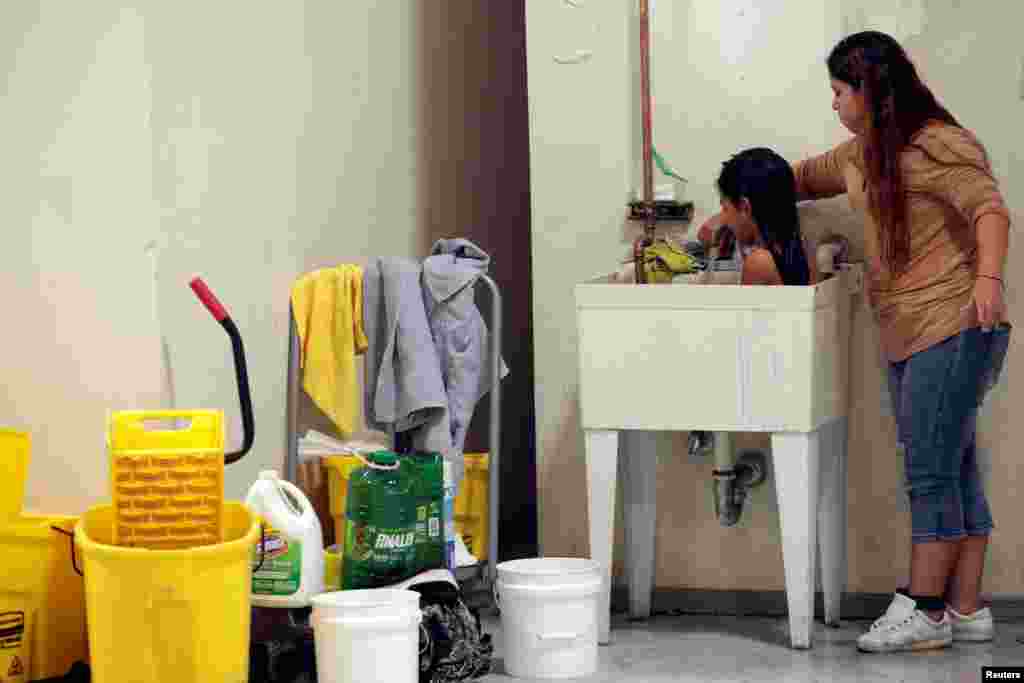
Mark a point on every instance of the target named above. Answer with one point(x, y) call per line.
point(328, 309)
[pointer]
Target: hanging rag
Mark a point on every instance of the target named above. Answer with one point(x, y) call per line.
point(663, 260)
point(404, 390)
point(327, 305)
point(460, 334)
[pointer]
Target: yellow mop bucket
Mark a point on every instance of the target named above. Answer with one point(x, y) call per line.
point(42, 601)
point(168, 615)
point(14, 454)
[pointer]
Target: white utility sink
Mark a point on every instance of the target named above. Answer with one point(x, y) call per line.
point(720, 357)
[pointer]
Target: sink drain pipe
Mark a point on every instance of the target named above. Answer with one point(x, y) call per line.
point(728, 496)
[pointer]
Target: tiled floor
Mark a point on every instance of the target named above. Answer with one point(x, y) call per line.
point(720, 649)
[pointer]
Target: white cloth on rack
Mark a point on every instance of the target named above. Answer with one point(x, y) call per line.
point(315, 445)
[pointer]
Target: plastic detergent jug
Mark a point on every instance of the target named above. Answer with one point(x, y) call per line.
point(288, 570)
point(450, 561)
point(386, 522)
point(426, 470)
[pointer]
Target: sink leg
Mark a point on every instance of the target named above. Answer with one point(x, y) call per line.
point(639, 494)
point(832, 518)
point(796, 485)
point(602, 449)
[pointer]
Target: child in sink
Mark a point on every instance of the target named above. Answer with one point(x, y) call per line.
point(757, 189)
point(758, 196)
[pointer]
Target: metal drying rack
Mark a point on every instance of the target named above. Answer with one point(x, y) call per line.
point(483, 570)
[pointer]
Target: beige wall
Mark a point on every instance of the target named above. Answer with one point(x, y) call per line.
point(727, 75)
point(251, 141)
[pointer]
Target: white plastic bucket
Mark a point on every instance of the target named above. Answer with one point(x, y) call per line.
point(549, 610)
point(367, 636)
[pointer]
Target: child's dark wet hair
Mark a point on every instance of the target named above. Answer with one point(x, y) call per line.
point(766, 180)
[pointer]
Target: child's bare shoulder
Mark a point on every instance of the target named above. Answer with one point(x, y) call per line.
point(759, 268)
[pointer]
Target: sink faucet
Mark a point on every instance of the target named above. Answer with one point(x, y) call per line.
point(832, 250)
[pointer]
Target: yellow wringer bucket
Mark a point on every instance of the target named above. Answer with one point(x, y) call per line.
point(168, 565)
point(167, 466)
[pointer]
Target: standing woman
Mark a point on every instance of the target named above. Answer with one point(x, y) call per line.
point(936, 231)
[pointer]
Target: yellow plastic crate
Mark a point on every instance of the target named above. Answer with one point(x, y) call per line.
point(472, 504)
point(167, 478)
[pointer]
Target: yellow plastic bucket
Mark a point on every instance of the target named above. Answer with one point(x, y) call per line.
point(42, 600)
point(332, 568)
point(14, 454)
point(339, 468)
point(169, 615)
point(472, 504)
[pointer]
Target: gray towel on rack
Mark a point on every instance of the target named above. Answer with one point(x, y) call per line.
point(404, 389)
point(460, 333)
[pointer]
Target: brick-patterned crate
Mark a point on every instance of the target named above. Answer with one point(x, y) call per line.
point(167, 478)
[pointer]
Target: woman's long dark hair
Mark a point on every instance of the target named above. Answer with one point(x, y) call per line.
point(899, 104)
point(766, 180)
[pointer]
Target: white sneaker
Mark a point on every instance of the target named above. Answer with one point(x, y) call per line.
point(978, 627)
point(899, 609)
point(901, 629)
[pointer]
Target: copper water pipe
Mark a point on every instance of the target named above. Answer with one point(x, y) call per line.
point(648, 169)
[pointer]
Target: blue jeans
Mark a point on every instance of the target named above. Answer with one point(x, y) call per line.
point(936, 394)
